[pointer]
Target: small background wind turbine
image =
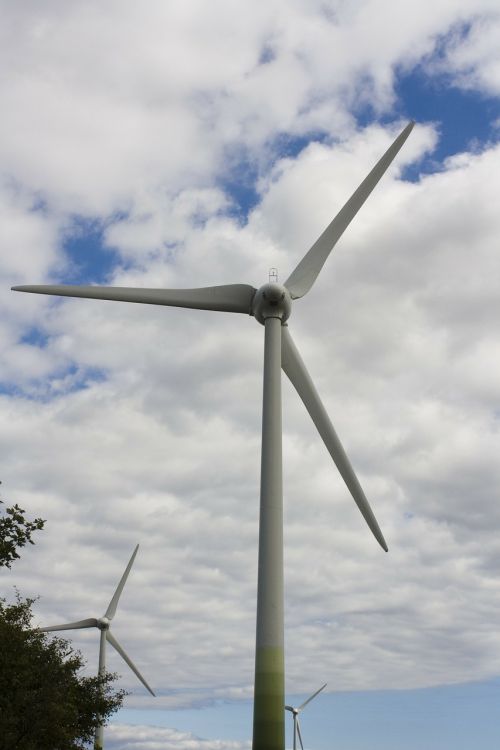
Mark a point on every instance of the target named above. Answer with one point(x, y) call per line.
point(103, 624)
point(295, 712)
point(271, 306)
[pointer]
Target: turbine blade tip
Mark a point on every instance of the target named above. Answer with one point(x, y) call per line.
point(383, 544)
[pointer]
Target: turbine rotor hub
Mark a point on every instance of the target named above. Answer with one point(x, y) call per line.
point(272, 301)
point(103, 623)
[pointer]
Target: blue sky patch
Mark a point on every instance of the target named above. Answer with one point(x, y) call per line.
point(63, 381)
point(34, 336)
point(239, 183)
point(90, 260)
point(267, 55)
point(466, 119)
point(379, 719)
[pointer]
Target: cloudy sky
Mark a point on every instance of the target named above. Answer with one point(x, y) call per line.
point(175, 144)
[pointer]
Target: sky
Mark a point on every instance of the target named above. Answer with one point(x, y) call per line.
point(183, 144)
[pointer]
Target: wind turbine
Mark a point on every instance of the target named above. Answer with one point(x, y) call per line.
point(271, 306)
point(103, 624)
point(296, 712)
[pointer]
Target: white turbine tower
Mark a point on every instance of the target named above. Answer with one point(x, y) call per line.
point(295, 712)
point(103, 624)
point(271, 305)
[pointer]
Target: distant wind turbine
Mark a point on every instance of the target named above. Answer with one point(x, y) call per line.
point(103, 623)
point(271, 306)
point(296, 712)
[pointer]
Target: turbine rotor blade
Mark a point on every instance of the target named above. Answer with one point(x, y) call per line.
point(311, 697)
point(303, 277)
point(90, 623)
point(227, 298)
point(110, 612)
point(295, 370)
point(110, 637)
point(299, 734)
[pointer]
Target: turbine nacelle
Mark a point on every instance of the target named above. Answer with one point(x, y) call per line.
point(272, 301)
point(103, 623)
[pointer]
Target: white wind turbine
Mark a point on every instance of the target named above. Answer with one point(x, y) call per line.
point(295, 712)
point(271, 306)
point(103, 624)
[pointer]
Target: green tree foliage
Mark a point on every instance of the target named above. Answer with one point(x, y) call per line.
point(15, 532)
point(45, 703)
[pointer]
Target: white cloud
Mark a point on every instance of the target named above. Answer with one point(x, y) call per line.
point(470, 54)
point(105, 108)
point(133, 737)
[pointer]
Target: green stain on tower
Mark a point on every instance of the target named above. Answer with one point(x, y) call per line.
point(269, 700)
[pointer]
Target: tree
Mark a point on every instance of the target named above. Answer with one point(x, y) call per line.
point(15, 532)
point(45, 703)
